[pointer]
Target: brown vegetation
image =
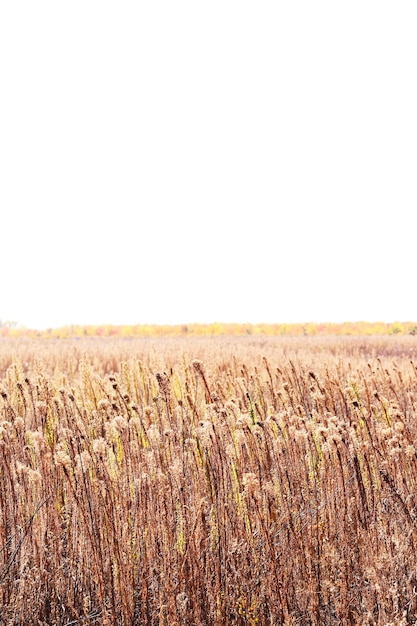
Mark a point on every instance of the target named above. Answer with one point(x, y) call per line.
point(208, 481)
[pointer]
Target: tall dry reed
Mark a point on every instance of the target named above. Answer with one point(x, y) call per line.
point(208, 482)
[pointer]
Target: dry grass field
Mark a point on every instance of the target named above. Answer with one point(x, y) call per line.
point(208, 481)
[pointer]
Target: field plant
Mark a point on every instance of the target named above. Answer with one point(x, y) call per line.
point(208, 481)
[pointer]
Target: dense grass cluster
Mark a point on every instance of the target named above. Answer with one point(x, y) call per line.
point(259, 481)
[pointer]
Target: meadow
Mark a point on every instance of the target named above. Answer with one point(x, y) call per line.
point(207, 481)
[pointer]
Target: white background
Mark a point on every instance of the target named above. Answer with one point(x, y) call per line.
point(189, 161)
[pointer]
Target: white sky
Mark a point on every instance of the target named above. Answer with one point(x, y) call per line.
point(189, 161)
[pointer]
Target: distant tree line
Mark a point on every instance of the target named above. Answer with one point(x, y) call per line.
point(7, 324)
